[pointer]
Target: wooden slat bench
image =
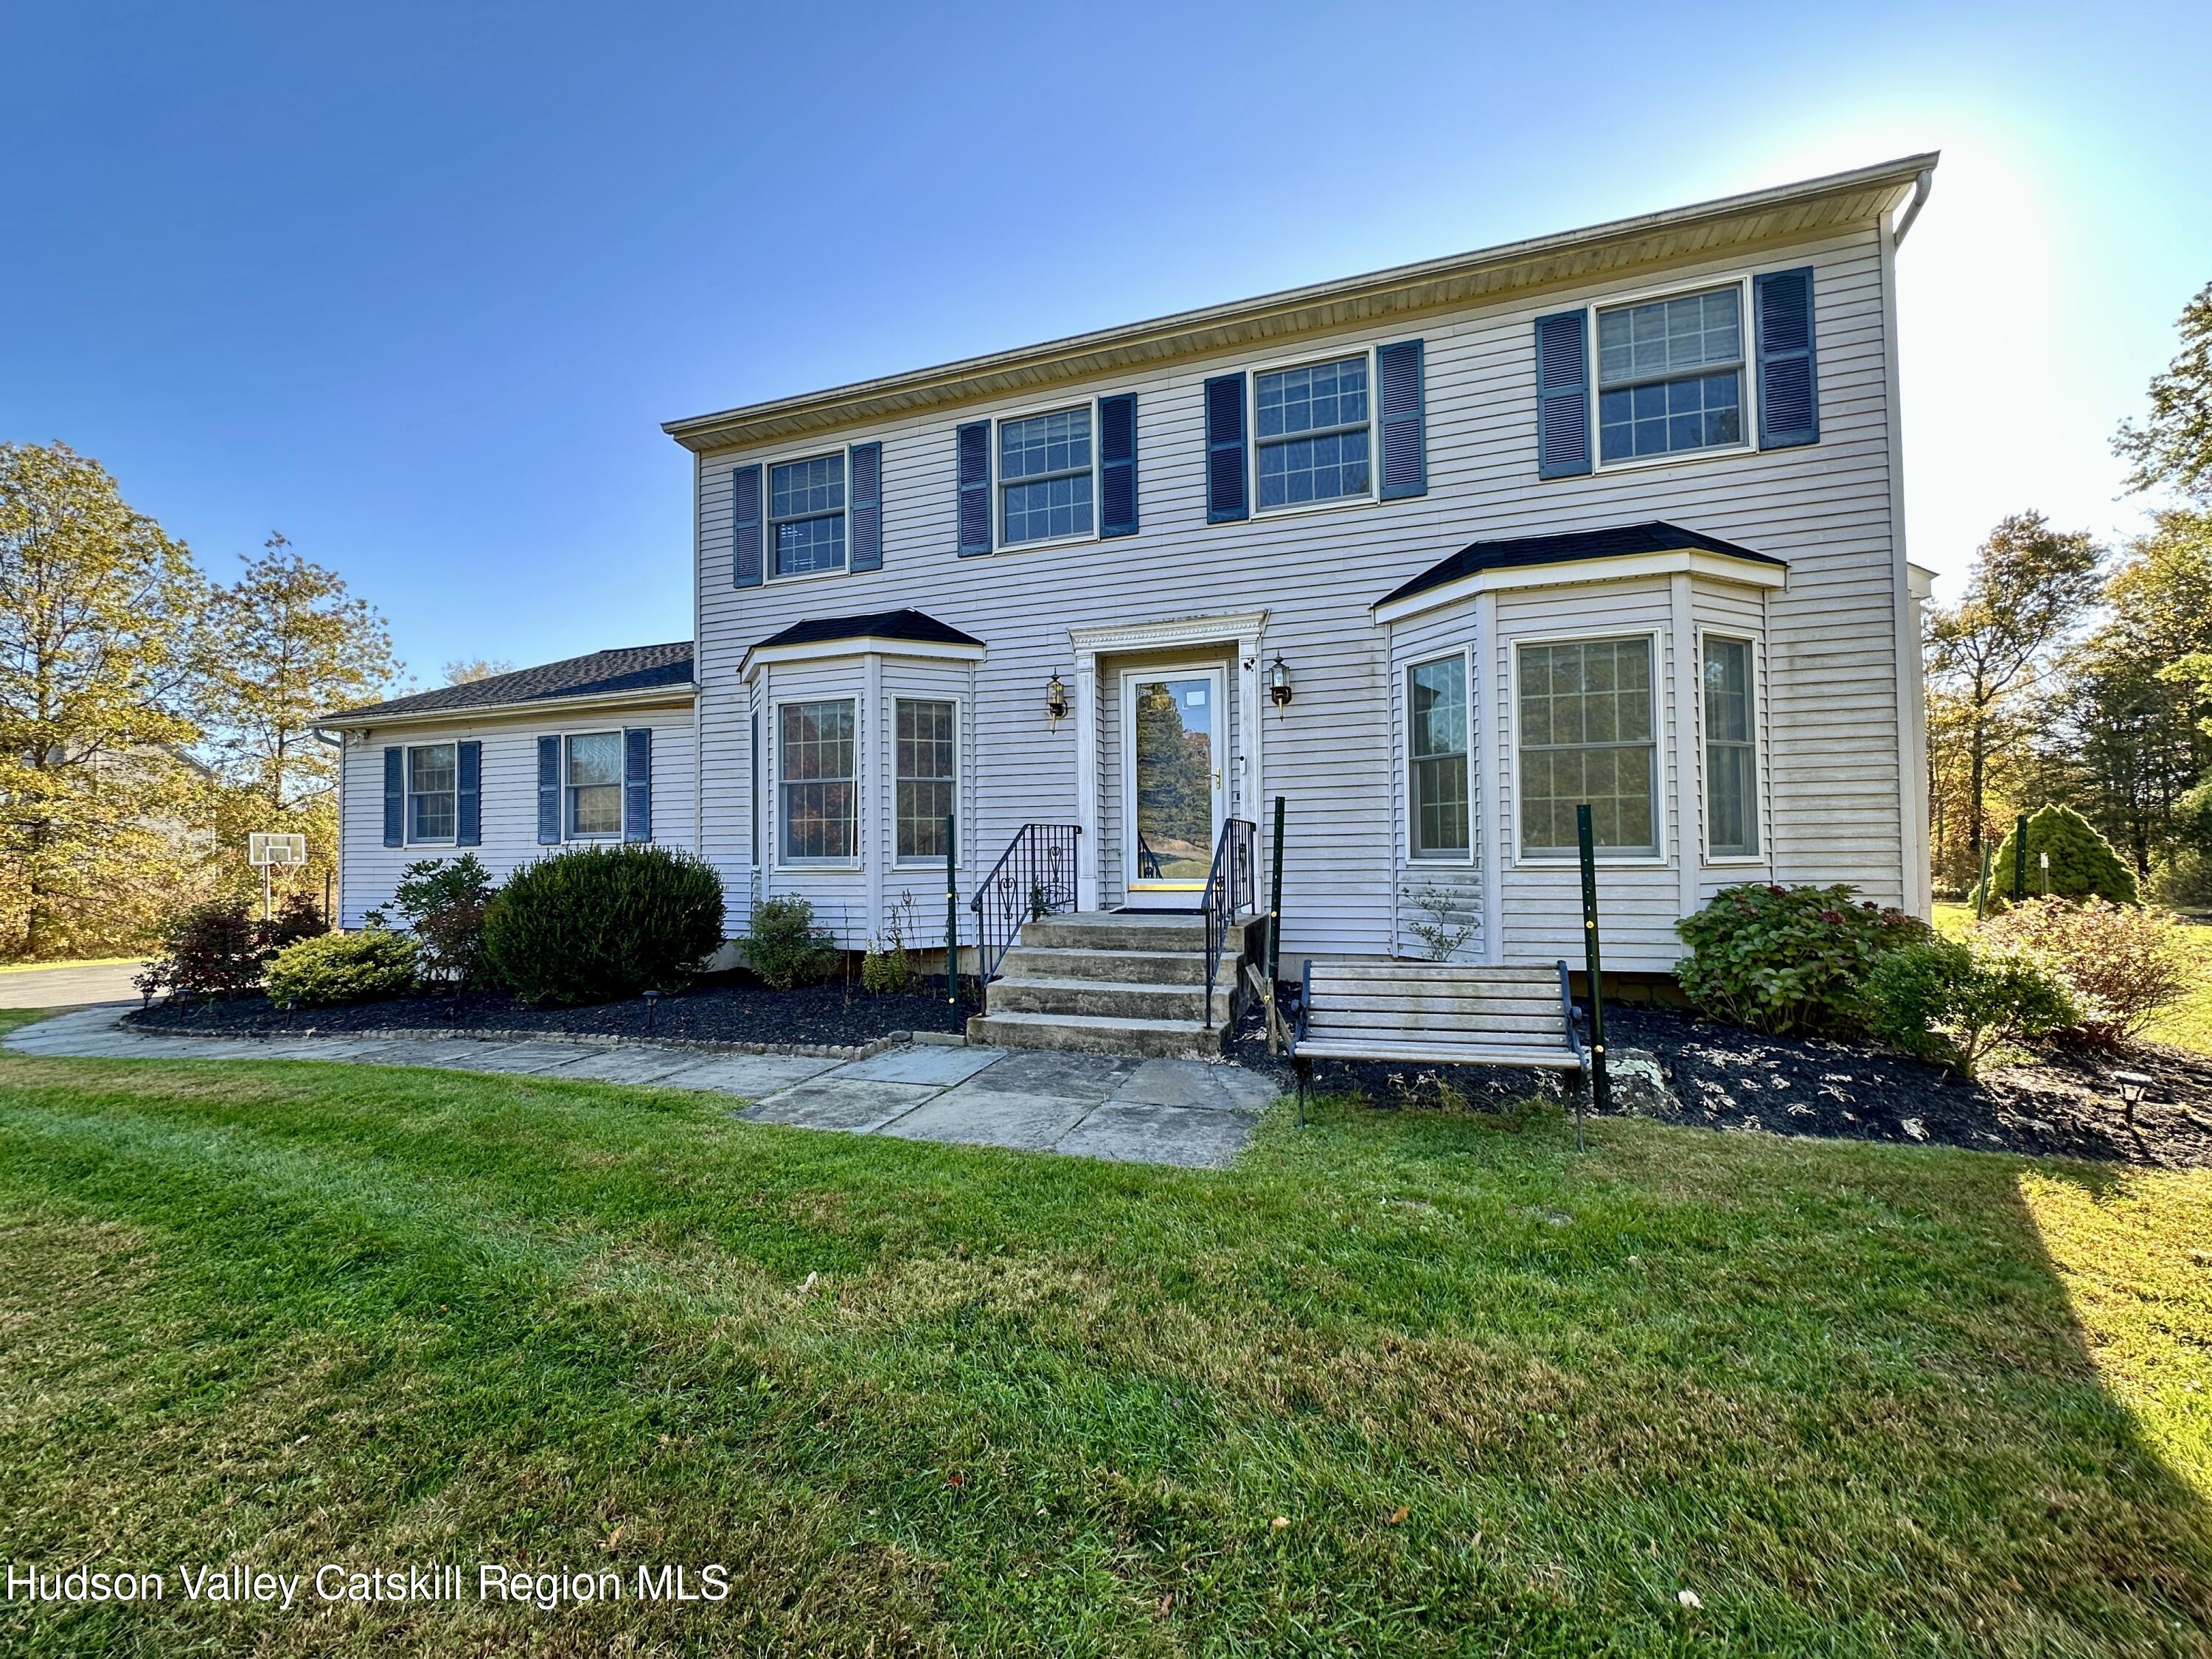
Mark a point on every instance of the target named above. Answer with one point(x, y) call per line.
point(1434, 1013)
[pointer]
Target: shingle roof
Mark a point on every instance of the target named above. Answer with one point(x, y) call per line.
point(878, 625)
point(633, 668)
point(1619, 542)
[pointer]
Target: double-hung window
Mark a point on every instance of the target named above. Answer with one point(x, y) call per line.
point(431, 786)
point(927, 766)
point(1436, 724)
point(1045, 477)
point(1670, 375)
point(806, 515)
point(1731, 751)
point(1311, 426)
point(1589, 733)
point(816, 756)
point(593, 796)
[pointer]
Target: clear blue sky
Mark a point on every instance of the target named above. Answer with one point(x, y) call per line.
point(415, 284)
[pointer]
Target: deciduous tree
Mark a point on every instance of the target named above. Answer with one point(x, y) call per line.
point(2173, 447)
point(98, 614)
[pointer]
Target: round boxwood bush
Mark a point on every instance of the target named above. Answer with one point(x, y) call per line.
point(334, 967)
point(1958, 1003)
point(2082, 863)
point(595, 923)
point(1788, 959)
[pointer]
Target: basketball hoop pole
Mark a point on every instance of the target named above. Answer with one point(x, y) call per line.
point(267, 911)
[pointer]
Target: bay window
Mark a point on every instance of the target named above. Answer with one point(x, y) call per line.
point(1587, 732)
point(1435, 725)
point(816, 751)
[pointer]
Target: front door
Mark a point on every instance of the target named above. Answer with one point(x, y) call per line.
point(1174, 727)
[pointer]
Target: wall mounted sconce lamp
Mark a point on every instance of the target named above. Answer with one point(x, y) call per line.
point(1278, 682)
point(1055, 702)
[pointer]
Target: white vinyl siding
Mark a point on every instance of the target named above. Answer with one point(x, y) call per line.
point(507, 797)
point(1830, 778)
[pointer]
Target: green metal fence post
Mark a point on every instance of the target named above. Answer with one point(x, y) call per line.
point(2020, 858)
point(1600, 1083)
point(951, 916)
point(1275, 926)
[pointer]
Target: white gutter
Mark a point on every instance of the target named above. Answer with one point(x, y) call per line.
point(645, 697)
point(1922, 187)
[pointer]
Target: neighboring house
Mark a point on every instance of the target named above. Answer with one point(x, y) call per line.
point(1611, 516)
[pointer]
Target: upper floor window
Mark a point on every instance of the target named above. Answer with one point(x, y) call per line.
point(1436, 722)
point(1670, 375)
point(1731, 751)
point(806, 515)
point(431, 787)
point(1311, 428)
point(1589, 734)
point(1045, 477)
point(593, 791)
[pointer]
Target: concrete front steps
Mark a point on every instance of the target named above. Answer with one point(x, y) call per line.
point(1114, 982)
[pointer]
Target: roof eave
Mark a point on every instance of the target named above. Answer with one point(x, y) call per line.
point(348, 719)
point(864, 645)
point(1569, 573)
point(1784, 212)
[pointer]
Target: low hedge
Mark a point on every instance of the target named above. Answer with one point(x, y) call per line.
point(1789, 959)
point(595, 923)
point(336, 968)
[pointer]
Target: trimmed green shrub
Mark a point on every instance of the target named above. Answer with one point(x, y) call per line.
point(594, 923)
point(335, 968)
point(1957, 1004)
point(783, 945)
point(1788, 959)
point(2121, 963)
point(442, 901)
point(2082, 862)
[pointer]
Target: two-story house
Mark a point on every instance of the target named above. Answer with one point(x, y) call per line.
point(1435, 553)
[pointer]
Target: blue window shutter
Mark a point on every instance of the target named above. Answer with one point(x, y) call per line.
point(1405, 421)
point(868, 475)
point(395, 797)
point(1117, 465)
point(974, 444)
point(637, 783)
point(548, 787)
point(1789, 391)
point(744, 528)
point(1226, 491)
point(1563, 445)
point(468, 794)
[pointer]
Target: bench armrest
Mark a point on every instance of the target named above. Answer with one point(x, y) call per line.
point(1567, 1016)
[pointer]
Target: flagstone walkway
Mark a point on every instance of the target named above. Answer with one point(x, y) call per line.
point(1182, 1112)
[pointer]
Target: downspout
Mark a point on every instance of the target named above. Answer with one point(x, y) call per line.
point(1921, 188)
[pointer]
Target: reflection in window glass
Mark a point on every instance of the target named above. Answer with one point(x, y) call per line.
point(1311, 429)
point(1670, 375)
point(595, 784)
point(1436, 709)
point(1587, 735)
point(925, 776)
point(816, 764)
point(1731, 751)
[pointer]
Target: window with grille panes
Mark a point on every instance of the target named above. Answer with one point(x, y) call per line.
point(1435, 725)
point(1587, 733)
point(925, 775)
point(1731, 751)
point(815, 752)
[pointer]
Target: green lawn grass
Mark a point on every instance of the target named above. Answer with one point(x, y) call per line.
point(1400, 1384)
point(74, 962)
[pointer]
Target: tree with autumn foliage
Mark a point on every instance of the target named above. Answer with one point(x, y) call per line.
point(98, 664)
point(286, 642)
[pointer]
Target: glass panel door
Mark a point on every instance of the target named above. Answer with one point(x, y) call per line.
point(1172, 748)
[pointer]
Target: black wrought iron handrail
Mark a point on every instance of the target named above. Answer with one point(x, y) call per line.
point(1229, 887)
point(1148, 861)
point(1034, 877)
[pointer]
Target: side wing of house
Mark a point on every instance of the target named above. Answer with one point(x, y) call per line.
point(509, 787)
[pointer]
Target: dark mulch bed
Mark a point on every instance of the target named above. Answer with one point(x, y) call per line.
point(724, 1008)
point(1723, 1078)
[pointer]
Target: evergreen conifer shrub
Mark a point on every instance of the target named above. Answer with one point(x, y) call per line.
point(595, 923)
point(2082, 863)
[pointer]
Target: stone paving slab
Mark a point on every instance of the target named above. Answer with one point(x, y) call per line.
point(943, 1066)
point(751, 1075)
point(829, 1104)
point(970, 1116)
point(1194, 1136)
point(1094, 1078)
point(631, 1063)
point(1188, 1083)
